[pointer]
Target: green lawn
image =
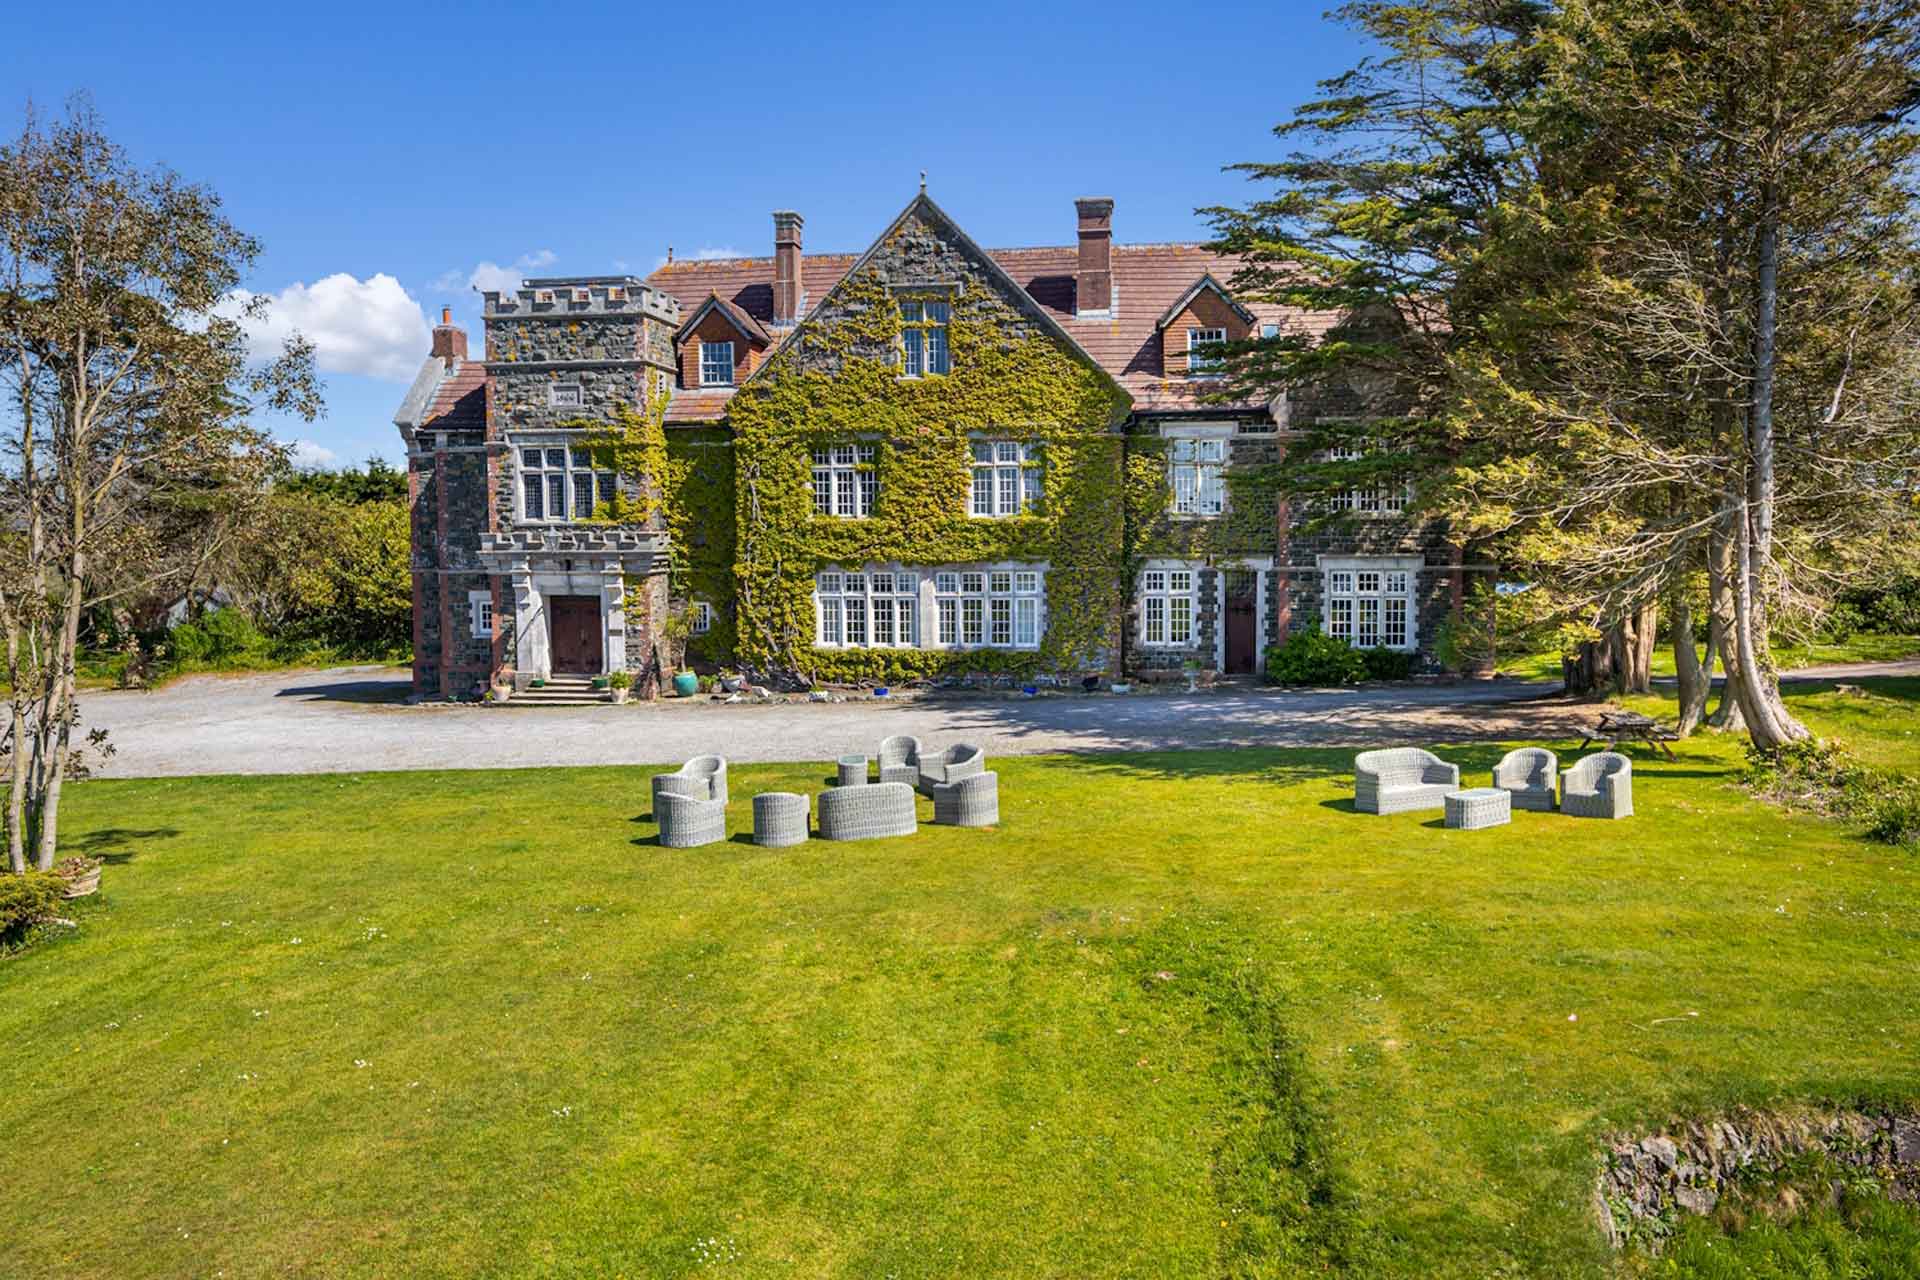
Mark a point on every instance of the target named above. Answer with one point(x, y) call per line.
point(1182, 1014)
point(1860, 648)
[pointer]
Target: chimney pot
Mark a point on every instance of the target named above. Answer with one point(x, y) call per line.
point(789, 267)
point(449, 339)
point(1093, 283)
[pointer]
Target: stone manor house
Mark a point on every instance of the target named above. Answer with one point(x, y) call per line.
point(925, 459)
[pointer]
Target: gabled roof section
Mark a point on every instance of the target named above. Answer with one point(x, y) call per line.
point(1198, 287)
point(922, 205)
point(739, 319)
point(443, 399)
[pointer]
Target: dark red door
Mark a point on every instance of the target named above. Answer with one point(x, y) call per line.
point(1240, 623)
point(575, 625)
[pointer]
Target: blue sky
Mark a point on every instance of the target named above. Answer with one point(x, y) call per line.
point(388, 155)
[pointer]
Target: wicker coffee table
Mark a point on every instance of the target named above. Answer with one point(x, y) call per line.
point(853, 771)
point(779, 819)
point(1478, 807)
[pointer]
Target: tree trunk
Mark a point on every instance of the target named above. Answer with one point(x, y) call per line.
point(1694, 679)
point(1591, 669)
point(1726, 717)
point(1631, 639)
point(1769, 723)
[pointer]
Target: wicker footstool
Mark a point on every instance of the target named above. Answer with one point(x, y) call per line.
point(1478, 807)
point(853, 771)
point(779, 819)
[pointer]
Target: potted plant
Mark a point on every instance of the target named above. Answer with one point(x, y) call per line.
point(503, 684)
point(81, 873)
point(620, 684)
point(676, 629)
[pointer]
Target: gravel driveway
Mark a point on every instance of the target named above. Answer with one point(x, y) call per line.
point(348, 719)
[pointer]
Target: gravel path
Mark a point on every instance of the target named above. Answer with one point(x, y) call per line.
point(348, 719)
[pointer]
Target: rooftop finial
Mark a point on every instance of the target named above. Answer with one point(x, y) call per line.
point(923, 182)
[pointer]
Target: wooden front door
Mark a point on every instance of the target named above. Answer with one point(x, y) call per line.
point(1241, 622)
point(574, 625)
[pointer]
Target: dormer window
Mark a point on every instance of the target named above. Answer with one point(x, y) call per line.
point(1200, 362)
point(716, 364)
point(923, 337)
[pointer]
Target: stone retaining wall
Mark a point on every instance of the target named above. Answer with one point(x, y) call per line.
point(1687, 1168)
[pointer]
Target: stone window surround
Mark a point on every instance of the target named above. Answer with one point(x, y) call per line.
point(1026, 464)
point(850, 472)
point(1025, 600)
point(1412, 566)
point(1222, 432)
point(605, 482)
point(480, 614)
point(915, 302)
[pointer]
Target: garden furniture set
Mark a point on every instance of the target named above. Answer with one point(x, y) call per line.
point(1407, 778)
point(690, 805)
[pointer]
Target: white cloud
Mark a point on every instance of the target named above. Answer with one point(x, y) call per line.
point(306, 455)
point(371, 327)
point(490, 276)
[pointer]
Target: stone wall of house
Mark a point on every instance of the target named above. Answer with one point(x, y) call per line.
point(1688, 1168)
point(450, 485)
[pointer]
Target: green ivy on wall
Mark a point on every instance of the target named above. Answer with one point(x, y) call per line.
point(700, 520)
point(837, 382)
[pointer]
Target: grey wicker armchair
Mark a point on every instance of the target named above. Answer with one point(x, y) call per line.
point(1402, 779)
point(971, 802)
point(1529, 775)
point(686, 822)
point(867, 813)
point(1598, 786)
point(900, 759)
point(702, 778)
point(956, 762)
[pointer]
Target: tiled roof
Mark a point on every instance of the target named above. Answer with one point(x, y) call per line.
point(460, 401)
point(1147, 279)
point(738, 318)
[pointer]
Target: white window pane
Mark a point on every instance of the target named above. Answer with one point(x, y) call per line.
point(829, 622)
point(948, 613)
point(882, 583)
point(1155, 580)
point(973, 583)
point(1000, 581)
point(532, 489)
point(883, 622)
point(556, 457)
point(1180, 580)
point(946, 583)
point(906, 581)
point(856, 584)
point(1026, 615)
point(856, 610)
point(1002, 616)
point(906, 614)
point(1180, 619)
point(1154, 615)
point(869, 491)
point(1006, 451)
point(1027, 582)
point(1341, 584)
point(1031, 480)
point(970, 615)
point(557, 495)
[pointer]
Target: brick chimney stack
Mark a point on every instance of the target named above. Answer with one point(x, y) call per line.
point(789, 280)
point(1093, 283)
point(449, 339)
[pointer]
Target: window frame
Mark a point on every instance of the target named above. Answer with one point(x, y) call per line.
point(1365, 599)
point(480, 614)
point(919, 327)
point(1385, 503)
point(1021, 461)
point(603, 482)
point(1205, 366)
point(732, 367)
point(852, 480)
point(1159, 593)
point(1208, 474)
point(894, 588)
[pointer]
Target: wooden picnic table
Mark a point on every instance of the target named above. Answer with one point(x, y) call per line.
point(1616, 727)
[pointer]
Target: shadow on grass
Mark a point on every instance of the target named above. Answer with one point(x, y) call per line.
point(110, 844)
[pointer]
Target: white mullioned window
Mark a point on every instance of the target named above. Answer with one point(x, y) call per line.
point(480, 614)
point(1167, 607)
point(923, 337)
point(1201, 364)
point(702, 617)
point(989, 607)
point(876, 608)
point(716, 364)
point(1007, 479)
point(1388, 501)
point(1369, 604)
point(845, 484)
point(559, 483)
point(1197, 470)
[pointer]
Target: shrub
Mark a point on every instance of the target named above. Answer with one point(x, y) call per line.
point(223, 638)
point(620, 680)
point(25, 900)
point(1387, 664)
point(1895, 820)
point(1313, 657)
point(1821, 776)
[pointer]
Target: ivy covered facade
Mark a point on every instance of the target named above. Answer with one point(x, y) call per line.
point(926, 460)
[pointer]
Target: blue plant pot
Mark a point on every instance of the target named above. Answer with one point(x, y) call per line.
point(686, 684)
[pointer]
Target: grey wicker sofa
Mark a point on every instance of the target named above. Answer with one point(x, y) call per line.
point(686, 821)
point(1529, 775)
point(973, 801)
point(900, 759)
point(1402, 779)
point(867, 813)
point(1598, 786)
point(956, 762)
